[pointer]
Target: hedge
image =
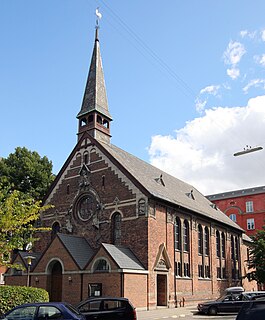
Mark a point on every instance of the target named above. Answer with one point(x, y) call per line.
point(12, 296)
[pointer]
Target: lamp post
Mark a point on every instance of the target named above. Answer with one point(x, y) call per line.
point(248, 149)
point(29, 263)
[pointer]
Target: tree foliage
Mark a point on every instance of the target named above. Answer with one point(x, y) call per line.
point(18, 216)
point(27, 172)
point(257, 257)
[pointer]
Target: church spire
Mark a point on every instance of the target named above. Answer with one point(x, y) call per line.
point(94, 116)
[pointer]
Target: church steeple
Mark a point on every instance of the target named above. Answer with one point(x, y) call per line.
point(94, 116)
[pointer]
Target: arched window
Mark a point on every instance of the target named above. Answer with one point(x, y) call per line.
point(223, 245)
point(232, 248)
point(236, 248)
point(83, 122)
point(177, 234)
point(101, 265)
point(99, 119)
point(116, 228)
point(200, 239)
point(206, 241)
point(55, 229)
point(218, 244)
point(186, 236)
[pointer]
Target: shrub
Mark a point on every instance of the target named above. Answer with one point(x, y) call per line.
point(12, 296)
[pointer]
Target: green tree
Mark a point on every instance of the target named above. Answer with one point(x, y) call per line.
point(27, 172)
point(257, 257)
point(18, 216)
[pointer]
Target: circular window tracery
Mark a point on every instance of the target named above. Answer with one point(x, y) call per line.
point(86, 207)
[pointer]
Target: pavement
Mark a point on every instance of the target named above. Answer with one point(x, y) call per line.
point(164, 313)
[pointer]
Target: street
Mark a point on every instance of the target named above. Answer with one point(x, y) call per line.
point(179, 313)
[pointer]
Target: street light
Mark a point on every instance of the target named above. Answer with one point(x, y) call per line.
point(248, 149)
point(29, 263)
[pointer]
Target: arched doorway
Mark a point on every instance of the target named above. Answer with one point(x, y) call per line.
point(55, 281)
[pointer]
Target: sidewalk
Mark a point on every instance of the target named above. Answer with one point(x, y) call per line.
point(180, 312)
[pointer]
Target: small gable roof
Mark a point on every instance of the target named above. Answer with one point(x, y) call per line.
point(78, 248)
point(123, 256)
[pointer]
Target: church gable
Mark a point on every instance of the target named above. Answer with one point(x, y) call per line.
point(89, 193)
point(162, 262)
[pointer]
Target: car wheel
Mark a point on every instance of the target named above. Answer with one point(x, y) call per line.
point(212, 311)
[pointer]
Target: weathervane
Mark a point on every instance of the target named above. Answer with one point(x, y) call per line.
point(99, 16)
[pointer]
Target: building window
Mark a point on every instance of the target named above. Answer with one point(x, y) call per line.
point(186, 236)
point(178, 269)
point(223, 245)
point(116, 228)
point(236, 248)
point(250, 224)
point(177, 234)
point(186, 269)
point(232, 248)
point(200, 240)
point(101, 265)
point(249, 206)
point(207, 272)
point(200, 271)
point(233, 217)
point(218, 251)
point(218, 270)
point(206, 241)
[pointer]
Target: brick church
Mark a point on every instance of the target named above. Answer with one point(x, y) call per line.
point(121, 227)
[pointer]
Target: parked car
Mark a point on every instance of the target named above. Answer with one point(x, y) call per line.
point(45, 311)
point(228, 303)
point(107, 309)
point(254, 309)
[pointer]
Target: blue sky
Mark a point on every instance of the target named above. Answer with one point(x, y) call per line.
point(185, 82)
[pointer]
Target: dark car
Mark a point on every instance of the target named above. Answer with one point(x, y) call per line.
point(44, 310)
point(254, 309)
point(107, 309)
point(228, 303)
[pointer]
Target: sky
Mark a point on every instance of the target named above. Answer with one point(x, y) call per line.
point(185, 82)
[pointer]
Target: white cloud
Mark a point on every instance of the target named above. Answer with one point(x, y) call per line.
point(234, 52)
point(200, 104)
point(260, 59)
point(257, 83)
point(201, 153)
point(233, 73)
point(263, 35)
point(248, 34)
point(213, 89)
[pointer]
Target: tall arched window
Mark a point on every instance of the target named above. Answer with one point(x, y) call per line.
point(116, 228)
point(177, 234)
point(218, 244)
point(223, 245)
point(206, 241)
point(236, 248)
point(186, 236)
point(232, 248)
point(200, 239)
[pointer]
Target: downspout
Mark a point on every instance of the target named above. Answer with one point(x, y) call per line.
point(122, 284)
point(175, 280)
point(82, 287)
